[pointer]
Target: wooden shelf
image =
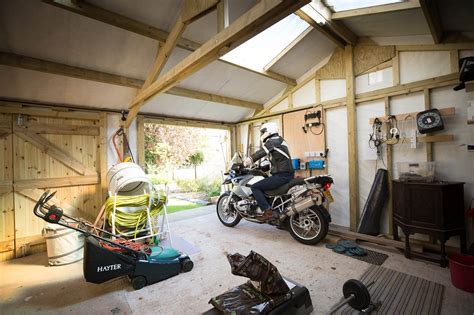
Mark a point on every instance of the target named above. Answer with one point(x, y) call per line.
point(449, 111)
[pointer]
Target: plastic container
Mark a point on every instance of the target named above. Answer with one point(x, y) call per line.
point(127, 179)
point(462, 271)
point(64, 246)
point(416, 171)
point(295, 163)
point(316, 164)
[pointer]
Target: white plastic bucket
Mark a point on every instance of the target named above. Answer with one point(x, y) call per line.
point(127, 179)
point(64, 245)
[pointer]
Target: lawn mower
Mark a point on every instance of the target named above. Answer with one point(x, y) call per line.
point(107, 256)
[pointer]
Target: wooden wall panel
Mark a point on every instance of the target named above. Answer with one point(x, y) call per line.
point(300, 142)
point(7, 215)
point(20, 229)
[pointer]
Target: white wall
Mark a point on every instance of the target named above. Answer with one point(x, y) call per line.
point(338, 168)
point(454, 162)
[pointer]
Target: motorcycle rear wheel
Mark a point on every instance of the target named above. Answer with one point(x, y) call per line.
point(309, 227)
point(229, 217)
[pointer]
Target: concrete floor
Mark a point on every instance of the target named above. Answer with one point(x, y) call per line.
point(28, 286)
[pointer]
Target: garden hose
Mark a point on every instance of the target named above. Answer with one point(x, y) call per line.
point(131, 211)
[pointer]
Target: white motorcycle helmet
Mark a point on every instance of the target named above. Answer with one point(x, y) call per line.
point(267, 130)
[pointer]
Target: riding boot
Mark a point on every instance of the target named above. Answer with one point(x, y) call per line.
point(267, 214)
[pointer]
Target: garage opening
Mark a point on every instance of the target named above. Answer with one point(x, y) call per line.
point(187, 162)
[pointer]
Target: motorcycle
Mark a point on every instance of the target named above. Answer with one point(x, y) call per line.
point(302, 203)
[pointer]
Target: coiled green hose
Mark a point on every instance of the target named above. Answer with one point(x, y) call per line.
point(136, 217)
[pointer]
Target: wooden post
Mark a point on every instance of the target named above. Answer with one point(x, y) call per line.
point(429, 145)
point(390, 172)
point(454, 60)
point(103, 155)
point(317, 89)
point(141, 141)
point(352, 141)
point(396, 69)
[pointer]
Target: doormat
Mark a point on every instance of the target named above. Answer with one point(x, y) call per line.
point(372, 257)
point(400, 293)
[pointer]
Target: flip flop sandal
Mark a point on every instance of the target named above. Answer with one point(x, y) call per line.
point(331, 246)
point(347, 244)
point(339, 249)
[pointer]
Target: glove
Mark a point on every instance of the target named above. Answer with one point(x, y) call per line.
point(248, 161)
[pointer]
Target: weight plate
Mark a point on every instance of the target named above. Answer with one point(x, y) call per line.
point(361, 298)
point(331, 246)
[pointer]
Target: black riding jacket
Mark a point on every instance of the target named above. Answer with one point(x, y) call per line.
point(277, 149)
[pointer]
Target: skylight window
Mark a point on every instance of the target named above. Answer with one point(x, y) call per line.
point(344, 5)
point(262, 48)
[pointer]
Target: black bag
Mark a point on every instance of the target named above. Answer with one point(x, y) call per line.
point(466, 72)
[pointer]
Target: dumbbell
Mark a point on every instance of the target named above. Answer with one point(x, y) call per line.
point(357, 295)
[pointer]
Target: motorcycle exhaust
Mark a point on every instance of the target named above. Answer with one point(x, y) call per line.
point(309, 201)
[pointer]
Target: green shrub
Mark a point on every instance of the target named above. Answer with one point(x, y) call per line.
point(188, 185)
point(211, 188)
point(159, 180)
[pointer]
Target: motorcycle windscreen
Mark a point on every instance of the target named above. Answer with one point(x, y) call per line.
point(101, 264)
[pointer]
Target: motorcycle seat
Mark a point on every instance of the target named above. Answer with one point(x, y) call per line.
point(284, 188)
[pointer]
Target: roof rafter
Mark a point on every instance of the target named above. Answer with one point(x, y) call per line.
point(413, 4)
point(264, 14)
point(430, 11)
point(336, 31)
point(190, 11)
point(94, 12)
point(288, 48)
point(24, 62)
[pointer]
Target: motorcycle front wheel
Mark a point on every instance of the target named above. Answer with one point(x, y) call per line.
point(227, 215)
point(309, 227)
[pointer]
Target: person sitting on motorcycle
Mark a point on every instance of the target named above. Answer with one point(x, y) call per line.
point(282, 171)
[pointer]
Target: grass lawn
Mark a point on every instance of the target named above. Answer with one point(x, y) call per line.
point(175, 205)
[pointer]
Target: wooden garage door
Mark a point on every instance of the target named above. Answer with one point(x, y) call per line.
point(41, 152)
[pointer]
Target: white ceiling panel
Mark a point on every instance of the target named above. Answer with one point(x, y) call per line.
point(46, 32)
point(49, 88)
point(158, 13)
point(311, 50)
point(183, 107)
point(223, 79)
point(397, 23)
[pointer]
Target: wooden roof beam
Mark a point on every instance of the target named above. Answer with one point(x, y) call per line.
point(13, 60)
point(431, 13)
point(288, 48)
point(97, 13)
point(189, 12)
point(413, 4)
point(264, 14)
point(333, 30)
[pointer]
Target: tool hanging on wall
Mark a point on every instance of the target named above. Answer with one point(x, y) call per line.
point(310, 116)
point(127, 152)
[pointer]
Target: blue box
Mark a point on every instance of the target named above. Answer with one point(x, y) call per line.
point(316, 165)
point(295, 163)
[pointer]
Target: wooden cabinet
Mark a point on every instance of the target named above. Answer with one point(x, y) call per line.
point(436, 209)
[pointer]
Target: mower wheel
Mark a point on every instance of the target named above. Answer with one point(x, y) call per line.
point(138, 282)
point(187, 265)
